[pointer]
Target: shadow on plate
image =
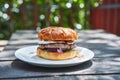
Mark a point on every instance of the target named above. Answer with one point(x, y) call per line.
point(19, 65)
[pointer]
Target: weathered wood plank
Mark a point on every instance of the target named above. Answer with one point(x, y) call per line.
point(83, 77)
point(99, 66)
point(24, 34)
point(3, 43)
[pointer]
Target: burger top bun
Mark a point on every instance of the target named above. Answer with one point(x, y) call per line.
point(57, 34)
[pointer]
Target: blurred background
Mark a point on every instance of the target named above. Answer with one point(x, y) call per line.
point(76, 14)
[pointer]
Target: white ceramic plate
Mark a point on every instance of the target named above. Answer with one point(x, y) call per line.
point(29, 55)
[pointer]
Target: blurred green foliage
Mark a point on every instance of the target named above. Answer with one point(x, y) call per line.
point(80, 10)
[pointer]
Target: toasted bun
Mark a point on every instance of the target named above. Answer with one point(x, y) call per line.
point(56, 56)
point(58, 34)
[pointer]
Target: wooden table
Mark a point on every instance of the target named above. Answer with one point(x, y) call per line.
point(104, 66)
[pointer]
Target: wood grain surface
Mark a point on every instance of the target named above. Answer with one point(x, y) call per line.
point(104, 66)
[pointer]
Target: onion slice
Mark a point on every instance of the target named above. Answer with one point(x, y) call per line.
point(59, 50)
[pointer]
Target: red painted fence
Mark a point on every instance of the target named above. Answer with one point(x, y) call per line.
point(106, 16)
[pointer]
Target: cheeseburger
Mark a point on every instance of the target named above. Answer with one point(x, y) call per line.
point(57, 43)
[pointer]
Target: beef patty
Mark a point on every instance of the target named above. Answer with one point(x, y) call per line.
point(62, 46)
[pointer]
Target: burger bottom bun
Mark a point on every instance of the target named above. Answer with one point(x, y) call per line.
point(55, 55)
